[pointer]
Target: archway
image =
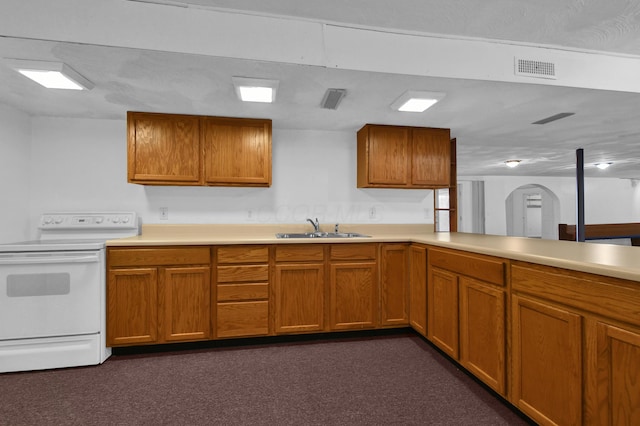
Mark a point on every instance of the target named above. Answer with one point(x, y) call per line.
point(533, 211)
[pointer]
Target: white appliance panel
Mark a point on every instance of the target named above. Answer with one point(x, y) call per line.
point(50, 294)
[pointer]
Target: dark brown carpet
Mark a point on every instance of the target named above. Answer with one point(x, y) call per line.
point(395, 379)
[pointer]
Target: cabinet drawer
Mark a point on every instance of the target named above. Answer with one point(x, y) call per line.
point(243, 273)
point(242, 319)
point(610, 297)
point(243, 254)
point(353, 251)
point(485, 268)
point(298, 253)
point(232, 292)
point(158, 256)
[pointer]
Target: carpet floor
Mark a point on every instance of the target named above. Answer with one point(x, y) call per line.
point(395, 379)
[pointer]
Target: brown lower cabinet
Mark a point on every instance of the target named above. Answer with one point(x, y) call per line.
point(613, 396)
point(562, 346)
point(394, 285)
point(299, 290)
point(466, 312)
point(353, 286)
point(242, 291)
point(158, 295)
point(576, 346)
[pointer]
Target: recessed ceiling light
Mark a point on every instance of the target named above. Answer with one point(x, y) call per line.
point(512, 163)
point(52, 75)
point(603, 166)
point(255, 89)
point(416, 101)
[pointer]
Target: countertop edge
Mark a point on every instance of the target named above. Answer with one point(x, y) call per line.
point(600, 259)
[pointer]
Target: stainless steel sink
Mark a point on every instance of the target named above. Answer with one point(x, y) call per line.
point(322, 235)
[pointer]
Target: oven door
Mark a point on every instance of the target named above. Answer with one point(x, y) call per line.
point(46, 294)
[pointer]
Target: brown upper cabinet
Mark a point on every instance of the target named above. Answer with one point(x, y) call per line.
point(172, 149)
point(403, 157)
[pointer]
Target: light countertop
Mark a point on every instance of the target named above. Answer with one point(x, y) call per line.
point(603, 259)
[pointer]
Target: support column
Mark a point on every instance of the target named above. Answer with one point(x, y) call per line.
point(580, 195)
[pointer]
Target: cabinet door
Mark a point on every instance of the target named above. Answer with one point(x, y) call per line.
point(546, 362)
point(616, 376)
point(387, 156)
point(430, 157)
point(185, 298)
point(237, 151)
point(299, 297)
point(442, 288)
point(353, 292)
point(163, 149)
point(132, 306)
point(394, 285)
point(482, 338)
point(418, 289)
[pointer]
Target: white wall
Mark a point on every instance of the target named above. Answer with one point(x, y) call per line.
point(14, 175)
point(606, 200)
point(80, 164)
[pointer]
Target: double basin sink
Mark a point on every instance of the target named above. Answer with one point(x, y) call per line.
point(322, 235)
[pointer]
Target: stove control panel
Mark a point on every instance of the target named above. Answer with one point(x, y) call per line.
point(110, 220)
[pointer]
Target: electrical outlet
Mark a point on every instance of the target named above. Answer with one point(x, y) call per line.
point(372, 213)
point(164, 213)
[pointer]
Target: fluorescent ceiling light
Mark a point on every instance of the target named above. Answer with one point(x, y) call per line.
point(255, 89)
point(603, 166)
point(52, 75)
point(512, 163)
point(416, 101)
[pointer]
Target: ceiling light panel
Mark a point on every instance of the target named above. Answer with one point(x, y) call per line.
point(255, 89)
point(416, 101)
point(52, 75)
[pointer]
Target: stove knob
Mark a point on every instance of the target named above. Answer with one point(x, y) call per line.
point(125, 219)
point(58, 220)
point(116, 220)
point(98, 219)
point(47, 220)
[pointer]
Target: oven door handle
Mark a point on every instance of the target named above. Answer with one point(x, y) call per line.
point(32, 260)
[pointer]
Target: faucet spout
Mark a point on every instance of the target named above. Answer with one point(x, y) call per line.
point(316, 224)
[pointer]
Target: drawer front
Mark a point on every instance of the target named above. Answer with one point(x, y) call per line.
point(484, 268)
point(250, 291)
point(158, 256)
point(246, 273)
point(609, 297)
point(242, 319)
point(300, 253)
point(353, 251)
point(243, 254)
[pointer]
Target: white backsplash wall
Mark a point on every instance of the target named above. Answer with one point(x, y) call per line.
point(80, 164)
point(15, 138)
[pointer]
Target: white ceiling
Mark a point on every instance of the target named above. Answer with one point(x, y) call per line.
point(490, 119)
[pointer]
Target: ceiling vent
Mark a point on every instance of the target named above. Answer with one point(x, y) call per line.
point(532, 68)
point(554, 118)
point(332, 98)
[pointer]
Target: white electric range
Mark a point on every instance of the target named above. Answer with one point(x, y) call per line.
point(53, 291)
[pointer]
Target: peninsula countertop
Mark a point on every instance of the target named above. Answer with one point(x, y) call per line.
point(603, 259)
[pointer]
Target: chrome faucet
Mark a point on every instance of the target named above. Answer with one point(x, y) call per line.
point(316, 224)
